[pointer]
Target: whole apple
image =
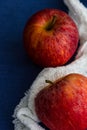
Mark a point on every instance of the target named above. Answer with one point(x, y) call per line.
point(50, 37)
point(63, 105)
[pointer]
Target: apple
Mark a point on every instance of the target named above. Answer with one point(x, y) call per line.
point(50, 37)
point(62, 105)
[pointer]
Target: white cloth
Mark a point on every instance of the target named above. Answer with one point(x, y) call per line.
point(25, 117)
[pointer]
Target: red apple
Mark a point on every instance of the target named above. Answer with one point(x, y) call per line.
point(50, 37)
point(63, 105)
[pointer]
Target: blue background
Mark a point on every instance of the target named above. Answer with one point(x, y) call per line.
point(17, 72)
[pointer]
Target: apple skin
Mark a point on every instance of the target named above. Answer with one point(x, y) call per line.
point(63, 105)
point(50, 37)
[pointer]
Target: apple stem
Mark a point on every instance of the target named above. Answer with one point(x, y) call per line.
point(50, 82)
point(51, 24)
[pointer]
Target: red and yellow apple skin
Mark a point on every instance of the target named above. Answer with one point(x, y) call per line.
point(63, 105)
point(50, 37)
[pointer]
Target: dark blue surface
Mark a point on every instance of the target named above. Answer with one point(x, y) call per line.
point(17, 72)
